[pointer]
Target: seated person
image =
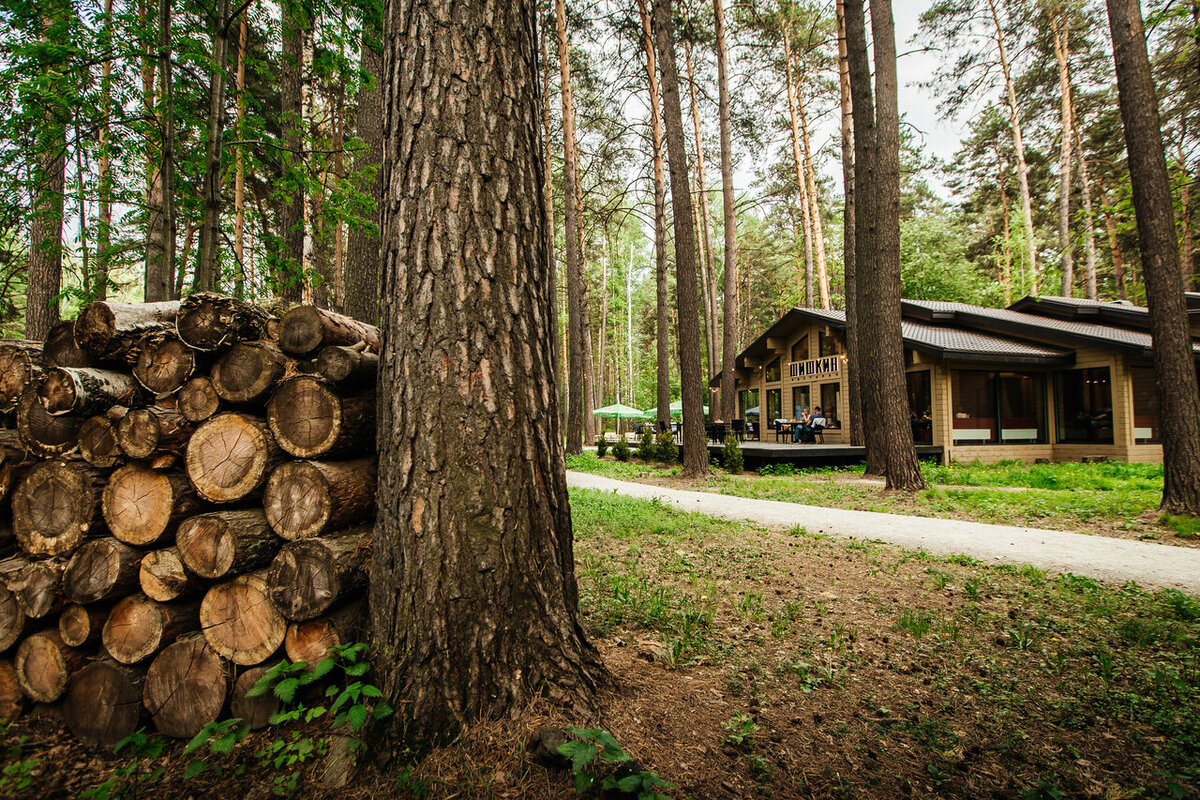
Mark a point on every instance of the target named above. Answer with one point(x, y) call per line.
point(802, 428)
point(816, 424)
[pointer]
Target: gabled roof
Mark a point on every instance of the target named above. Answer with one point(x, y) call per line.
point(1121, 313)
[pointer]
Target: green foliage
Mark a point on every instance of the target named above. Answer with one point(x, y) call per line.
point(1185, 526)
point(601, 447)
point(647, 449)
point(731, 455)
point(131, 780)
point(594, 751)
point(666, 449)
point(17, 774)
point(621, 451)
point(741, 731)
point(917, 622)
point(782, 470)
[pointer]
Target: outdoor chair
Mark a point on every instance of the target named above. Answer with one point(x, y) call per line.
point(738, 426)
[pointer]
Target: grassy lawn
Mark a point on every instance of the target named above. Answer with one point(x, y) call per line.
point(1110, 498)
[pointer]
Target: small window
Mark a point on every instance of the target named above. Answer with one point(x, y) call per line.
point(773, 371)
point(800, 349)
point(830, 396)
point(829, 345)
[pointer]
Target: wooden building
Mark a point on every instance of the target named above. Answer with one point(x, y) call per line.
point(1050, 378)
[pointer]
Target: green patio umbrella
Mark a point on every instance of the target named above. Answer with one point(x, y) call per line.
point(618, 411)
point(677, 409)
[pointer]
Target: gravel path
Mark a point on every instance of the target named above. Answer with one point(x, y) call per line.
point(1103, 558)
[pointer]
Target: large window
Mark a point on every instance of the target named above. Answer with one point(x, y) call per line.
point(828, 344)
point(801, 399)
point(800, 349)
point(974, 398)
point(773, 371)
point(830, 395)
point(749, 400)
point(1022, 407)
point(1145, 405)
point(1085, 406)
point(774, 401)
point(920, 405)
point(1006, 407)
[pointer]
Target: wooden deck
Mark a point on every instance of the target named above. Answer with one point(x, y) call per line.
point(757, 454)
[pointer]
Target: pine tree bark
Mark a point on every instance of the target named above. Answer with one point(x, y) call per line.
point(729, 331)
point(1062, 54)
point(160, 256)
point(695, 450)
point(291, 213)
point(362, 256)
point(239, 178)
point(1089, 219)
point(1114, 246)
point(105, 177)
point(849, 250)
point(210, 225)
point(798, 164)
point(708, 269)
point(1174, 359)
point(472, 301)
point(46, 230)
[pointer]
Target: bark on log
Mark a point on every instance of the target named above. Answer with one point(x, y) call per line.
point(98, 442)
point(230, 456)
point(12, 619)
point(209, 322)
point(44, 664)
point(104, 702)
point(311, 641)
point(254, 711)
point(248, 372)
point(306, 329)
point(162, 575)
point(139, 627)
point(80, 626)
point(109, 331)
point(12, 701)
point(164, 364)
point(37, 587)
point(186, 687)
point(56, 506)
point(142, 505)
point(346, 366)
point(60, 349)
point(198, 399)
point(21, 363)
point(101, 569)
point(310, 575)
point(240, 621)
point(42, 434)
point(84, 391)
point(310, 420)
point(144, 432)
point(222, 544)
point(308, 498)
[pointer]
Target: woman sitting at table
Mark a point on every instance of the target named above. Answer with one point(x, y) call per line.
point(802, 429)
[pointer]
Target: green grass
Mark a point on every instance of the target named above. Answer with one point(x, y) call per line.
point(1066, 476)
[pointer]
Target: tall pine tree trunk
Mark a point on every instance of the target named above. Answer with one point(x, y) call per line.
point(850, 256)
point(1114, 245)
point(729, 338)
point(239, 179)
point(809, 187)
point(662, 326)
point(160, 254)
point(210, 223)
point(1006, 229)
point(362, 248)
point(708, 262)
point(46, 228)
point(1187, 248)
point(1062, 54)
point(291, 279)
point(560, 349)
point(798, 163)
point(1174, 360)
point(576, 322)
point(104, 210)
point(695, 451)
point(1089, 220)
point(474, 600)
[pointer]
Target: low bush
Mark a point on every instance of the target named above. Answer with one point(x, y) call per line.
point(731, 456)
point(668, 451)
point(621, 450)
point(647, 449)
point(601, 447)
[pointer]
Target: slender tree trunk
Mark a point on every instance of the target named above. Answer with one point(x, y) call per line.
point(798, 163)
point(239, 180)
point(600, 377)
point(153, 191)
point(291, 215)
point(662, 395)
point(1014, 117)
point(1114, 246)
point(1089, 220)
point(46, 229)
point(1062, 55)
point(850, 256)
point(695, 452)
point(729, 339)
point(1187, 258)
point(449, 574)
point(210, 223)
point(160, 258)
point(104, 210)
point(576, 322)
point(362, 256)
point(708, 261)
point(1174, 360)
point(548, 202)
point(1006, 228)
point(809, 187)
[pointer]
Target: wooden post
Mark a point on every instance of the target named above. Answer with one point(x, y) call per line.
point(186, 687)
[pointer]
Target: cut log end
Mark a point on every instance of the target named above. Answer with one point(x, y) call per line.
point(18, 369)
point(247, 372)
point(297, 500)
point(306, 416)
point(305, 329)
point(212, 545)
point(139, 627)
point(186, 687)
point(240, 621)
point(141, 504)
point(254, 711)
point(228, 457)
point(44, 434)
point(94, 327)
point(162, 575)
point(12, 700)
point(12, 619)
point(101, 569)
point(164, 364)
point(198, 399)
point(209, 321)
point(98, 442)
point(61, 350)
point(346, 365)
point(104, 703)
point(44, 664)
point(80, 625)
point(139, 432)
point(53, 508)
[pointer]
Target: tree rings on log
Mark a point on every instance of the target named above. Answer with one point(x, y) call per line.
point(12, 700)
point(55, 507)
point(346, 366)
point(311, 641)
point(209, 321)
point(98, 442)
point(41, 433)
point(308, 498)
point(223, 543)
point(60, 349)
point(139, 627)
point(230, 456)
point(101, 569)
point(140, 504)
point(66, 390)
point(37, 587)
point(310, 575)
point(240, 621)
point(310, 420)
point(21, 363)
point(186, 687)
point(198, 399)
point(109, 331)
point(164, 364)
point(306, 329)
point(162, 575)
point(145, 431)
point(254, 711)
point(12, 619)
point(80, 625)
point(44, 664)
point(104, 702)
point(248, 372)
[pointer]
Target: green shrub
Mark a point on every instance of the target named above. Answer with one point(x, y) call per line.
point(731, 456)
point(668, 451)
point(647, 449)
point(601, 447)
point(621, 450)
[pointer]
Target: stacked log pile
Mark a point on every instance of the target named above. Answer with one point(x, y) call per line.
point(186, 492)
